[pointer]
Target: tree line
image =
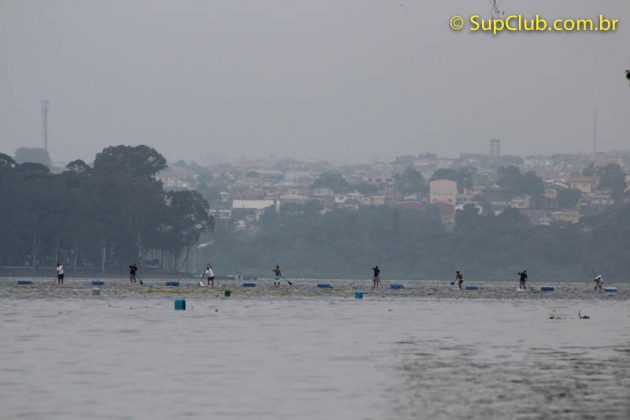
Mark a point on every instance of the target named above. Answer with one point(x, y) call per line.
point(411, 243)
point(97, 217)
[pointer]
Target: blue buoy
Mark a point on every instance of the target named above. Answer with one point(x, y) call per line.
point(180, 304)
point(172, 283)
point(25, 282)
point(358, 294)
point(471, 287)
point(547, 289)
point(98, 283)
point(247, 284)
point(324, 285)
point(396, 286)
point(610, 289)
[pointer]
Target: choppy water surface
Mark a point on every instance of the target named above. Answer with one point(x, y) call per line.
point(428, 351)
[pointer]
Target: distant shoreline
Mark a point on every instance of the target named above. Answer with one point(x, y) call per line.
point(50, 272)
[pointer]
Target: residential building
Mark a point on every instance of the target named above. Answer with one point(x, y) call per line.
point(443, 191)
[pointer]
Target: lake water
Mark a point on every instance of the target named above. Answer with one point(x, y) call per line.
point(427, 351)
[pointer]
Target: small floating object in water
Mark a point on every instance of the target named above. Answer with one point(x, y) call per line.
point(396, 286)
point(248, 284)
point(358, 294)
point(172, 283)
point(471, 287)
point(227, 293)
point(583, 316)
point(98, 283)
point(324, 285)
point(25, 282)
point(96, 291)
point(180, 304)
point(547, 288)
point(610, 289)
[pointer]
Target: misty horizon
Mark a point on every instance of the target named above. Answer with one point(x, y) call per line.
point(338, 81)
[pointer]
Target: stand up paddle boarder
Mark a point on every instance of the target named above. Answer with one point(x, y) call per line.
point(59, 273)
point(376, 280)
point(209, 273)
point(459, 278)
point(278, 274)
point(522, 283)
point(133, 270)
point(599, 281)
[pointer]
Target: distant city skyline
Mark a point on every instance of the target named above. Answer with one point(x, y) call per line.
point(349, 81)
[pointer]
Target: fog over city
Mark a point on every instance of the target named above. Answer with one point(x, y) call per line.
point(332, 79)
point(314, 209)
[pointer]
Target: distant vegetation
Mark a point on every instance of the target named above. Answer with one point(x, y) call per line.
point(115, 211)
point(100, 217)
point(414, 244)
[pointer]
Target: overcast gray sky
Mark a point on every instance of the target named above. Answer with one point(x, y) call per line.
point(334, 79)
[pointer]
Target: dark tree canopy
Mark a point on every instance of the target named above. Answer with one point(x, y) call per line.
point(96, 219)
point(444, 173)
point(613, 178)
point(514, 183)
point(410, 181)
point(7, 161)
point(332, 180)
point(568, 198)
point(413, 244)
point(137, 160)
point(78, 166)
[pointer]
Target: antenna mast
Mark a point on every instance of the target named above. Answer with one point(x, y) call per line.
point(595, 131)
point(45, 122)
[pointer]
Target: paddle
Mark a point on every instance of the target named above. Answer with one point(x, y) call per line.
point(140, 280)
point(290, 284)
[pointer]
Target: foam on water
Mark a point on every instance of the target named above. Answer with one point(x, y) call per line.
point(428, 351)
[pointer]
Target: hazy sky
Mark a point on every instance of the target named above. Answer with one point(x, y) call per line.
point(335, 79)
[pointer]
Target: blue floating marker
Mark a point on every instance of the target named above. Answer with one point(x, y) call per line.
point(248, 284)
point(98, 283)
point(471, 287)
point(180, 304)
point(610, 289)
point(547, 288)
point(25, 282)
point(358, 294)
point(396, 286)
point(172, 283)
point(324, 285)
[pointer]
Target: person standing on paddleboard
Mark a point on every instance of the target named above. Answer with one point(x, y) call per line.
point(209, 273)
point(522, 284)
point(278, 274)
point(59, 273)
point(459, 278)
point(133, 270)
point(376, 280)
point(599, 282)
